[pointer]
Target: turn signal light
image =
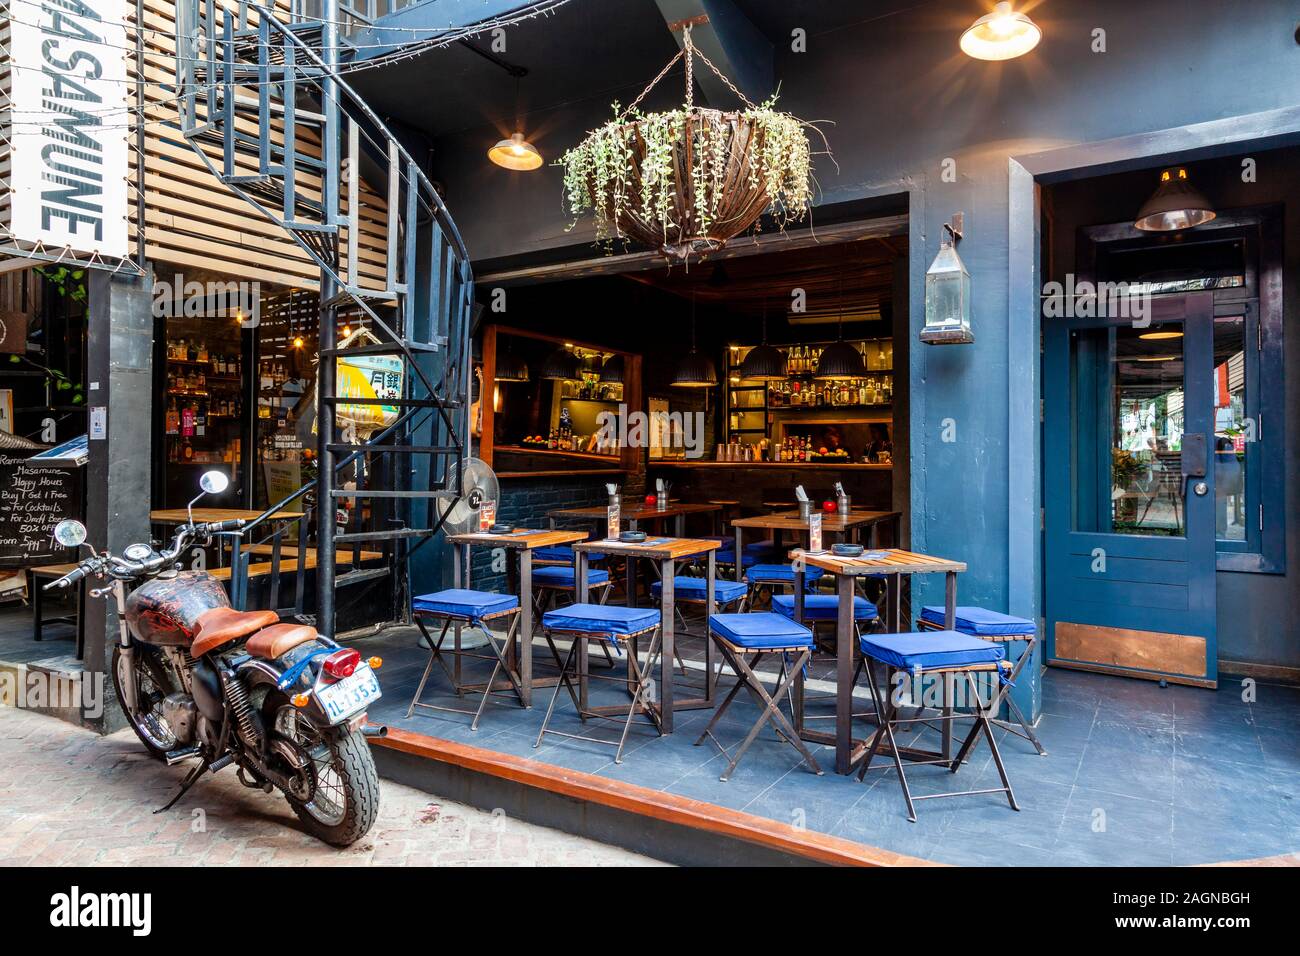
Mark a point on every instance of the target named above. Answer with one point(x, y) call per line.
point(342, 663)
point(300, 700)
point(375, 663)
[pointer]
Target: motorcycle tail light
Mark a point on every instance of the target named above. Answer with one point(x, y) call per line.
point(342, 663)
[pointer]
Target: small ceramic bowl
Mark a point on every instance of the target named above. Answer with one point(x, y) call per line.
point(500, 529)
point(846, 550)
point(631, 537)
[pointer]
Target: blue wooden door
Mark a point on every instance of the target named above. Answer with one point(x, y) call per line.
point(1129, 491)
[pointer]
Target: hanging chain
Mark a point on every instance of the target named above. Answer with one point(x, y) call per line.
point(688, 47)
point(690, 51)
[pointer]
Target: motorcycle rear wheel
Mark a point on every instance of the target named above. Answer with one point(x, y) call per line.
point(345, 802)
point(153, 682)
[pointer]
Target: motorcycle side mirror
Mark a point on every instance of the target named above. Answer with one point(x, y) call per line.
point(214, 482)
point(70, 533)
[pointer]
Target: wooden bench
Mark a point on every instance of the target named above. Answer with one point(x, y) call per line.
point(43, 574)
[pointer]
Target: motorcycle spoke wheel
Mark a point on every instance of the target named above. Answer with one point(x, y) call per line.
point(328, 804)
point(152, 685)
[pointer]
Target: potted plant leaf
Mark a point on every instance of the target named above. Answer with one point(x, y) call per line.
point(687, 180)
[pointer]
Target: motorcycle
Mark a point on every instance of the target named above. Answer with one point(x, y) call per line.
point(198, 679)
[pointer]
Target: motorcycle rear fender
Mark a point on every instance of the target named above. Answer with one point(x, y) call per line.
point(294, 672)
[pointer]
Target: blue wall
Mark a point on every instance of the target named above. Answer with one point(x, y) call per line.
point(903, 101)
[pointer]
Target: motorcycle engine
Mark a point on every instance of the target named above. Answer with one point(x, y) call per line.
point(181, 715)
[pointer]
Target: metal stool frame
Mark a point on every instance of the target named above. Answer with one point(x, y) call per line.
point(500, 653)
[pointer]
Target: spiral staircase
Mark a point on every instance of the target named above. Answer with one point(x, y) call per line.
point(261, 103)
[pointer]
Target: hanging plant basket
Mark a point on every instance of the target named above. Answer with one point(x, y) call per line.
point(685, 181)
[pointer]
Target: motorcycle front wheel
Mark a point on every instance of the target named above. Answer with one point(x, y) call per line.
point(344, 802)
point(153, 682)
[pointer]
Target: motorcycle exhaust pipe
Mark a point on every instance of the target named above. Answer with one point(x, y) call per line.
point(374, 730)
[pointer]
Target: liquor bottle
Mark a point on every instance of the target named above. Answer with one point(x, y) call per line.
point(173, 418)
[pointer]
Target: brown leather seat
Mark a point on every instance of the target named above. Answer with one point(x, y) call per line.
point(221, 625)
point(279, 639)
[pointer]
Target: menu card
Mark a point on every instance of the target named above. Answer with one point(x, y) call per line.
point(815, 532)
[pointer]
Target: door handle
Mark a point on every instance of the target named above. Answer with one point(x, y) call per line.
point(1194, 458)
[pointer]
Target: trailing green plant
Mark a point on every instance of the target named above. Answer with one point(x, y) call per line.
point(70, 283)
point(57, 380)
point(687, 180)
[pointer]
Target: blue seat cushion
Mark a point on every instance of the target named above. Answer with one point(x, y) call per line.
point(694, 589)
point(562, 552)
point(729, 557)
point(980, 621)
point(462, 602)
point(600, 620)
point(823, 607)
point(561, 576)
point(759, 548)
point(761, 630)
point(779, 574)
point(927, 650)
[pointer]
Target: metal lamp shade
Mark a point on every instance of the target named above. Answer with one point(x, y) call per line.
point(695, 371)
point(764, 363)
point(1176, 204)
point(515, 153)
point(840, 360)
point(560, 365)
point(511, 368)
point(612, 370)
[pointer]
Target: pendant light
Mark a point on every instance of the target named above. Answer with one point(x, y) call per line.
point(511, 367)
point(516, 152)
point(561, 365)
point(612, 371)
point(695, 369)
point(839, 360)
point(1000, 35)
point(1176, 204)
point(764, 363)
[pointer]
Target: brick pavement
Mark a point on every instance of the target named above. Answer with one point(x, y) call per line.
point(71, 797)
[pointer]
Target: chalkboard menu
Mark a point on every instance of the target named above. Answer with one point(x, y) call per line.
point(33, 499)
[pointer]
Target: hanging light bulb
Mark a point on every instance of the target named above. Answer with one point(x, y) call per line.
point(1001, 35)
point(297, 341)
point(1176, 204)
point(515, 153)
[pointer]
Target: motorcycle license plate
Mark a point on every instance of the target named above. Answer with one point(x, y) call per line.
point(350, 695)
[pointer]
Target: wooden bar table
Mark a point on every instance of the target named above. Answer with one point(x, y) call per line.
point(677, 510)
point(850, 527)
point(667, 552)
point(523, 542)
point(209, 515)
point(893, 563)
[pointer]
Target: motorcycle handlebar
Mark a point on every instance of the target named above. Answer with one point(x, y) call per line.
point(122, 567)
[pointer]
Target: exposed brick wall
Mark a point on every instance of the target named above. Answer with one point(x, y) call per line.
point(524, 504)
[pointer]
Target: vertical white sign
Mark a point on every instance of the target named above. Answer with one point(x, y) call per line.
point(70, 123)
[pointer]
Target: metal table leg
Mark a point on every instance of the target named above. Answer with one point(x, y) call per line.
point(843, 674)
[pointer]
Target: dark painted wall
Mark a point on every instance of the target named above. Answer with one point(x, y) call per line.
point(904, 100)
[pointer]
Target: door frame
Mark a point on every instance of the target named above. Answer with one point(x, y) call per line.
point(1026, 173)
point(1159, 646)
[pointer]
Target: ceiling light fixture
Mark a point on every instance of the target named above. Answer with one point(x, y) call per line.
point(764, 363)
point(695, 370)
point(1176, 204)
point(515, 153)
point(1001, 35)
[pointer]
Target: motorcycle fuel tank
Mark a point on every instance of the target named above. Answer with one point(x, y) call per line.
point(164, 610)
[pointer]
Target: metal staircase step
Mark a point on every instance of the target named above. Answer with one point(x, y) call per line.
point(396, 534)
point(383, 348)
point(359, 577)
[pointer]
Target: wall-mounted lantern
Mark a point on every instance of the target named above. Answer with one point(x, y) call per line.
point(947, 293)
